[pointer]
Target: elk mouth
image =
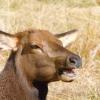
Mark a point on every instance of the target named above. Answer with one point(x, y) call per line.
point(67, 74)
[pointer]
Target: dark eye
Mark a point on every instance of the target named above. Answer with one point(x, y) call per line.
point(34, 46)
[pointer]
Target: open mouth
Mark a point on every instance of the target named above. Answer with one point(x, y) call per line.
point(67, 74)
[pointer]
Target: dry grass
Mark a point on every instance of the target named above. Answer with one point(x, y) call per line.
point(59, 16)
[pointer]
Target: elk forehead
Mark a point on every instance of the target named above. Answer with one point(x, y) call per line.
point(40, 37)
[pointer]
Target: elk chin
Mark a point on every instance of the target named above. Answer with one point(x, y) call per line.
point(67, 75)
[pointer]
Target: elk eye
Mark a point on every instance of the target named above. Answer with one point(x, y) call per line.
point(34, 46)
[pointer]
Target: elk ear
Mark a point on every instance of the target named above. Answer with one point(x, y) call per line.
point(8, 41)
point(68, 37)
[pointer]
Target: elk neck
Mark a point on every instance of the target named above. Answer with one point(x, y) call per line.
point(20, 75)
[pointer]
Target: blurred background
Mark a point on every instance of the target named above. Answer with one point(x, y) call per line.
point(59, 16)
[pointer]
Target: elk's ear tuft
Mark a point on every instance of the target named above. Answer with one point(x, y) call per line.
point(8, 41)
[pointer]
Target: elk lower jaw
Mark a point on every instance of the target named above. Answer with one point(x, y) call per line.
point(67, 75)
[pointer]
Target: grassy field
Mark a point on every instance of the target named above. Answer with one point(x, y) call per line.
point(60, 16)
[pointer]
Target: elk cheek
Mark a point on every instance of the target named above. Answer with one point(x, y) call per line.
point(46, 73)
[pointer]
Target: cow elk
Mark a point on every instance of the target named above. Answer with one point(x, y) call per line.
point(37, 58)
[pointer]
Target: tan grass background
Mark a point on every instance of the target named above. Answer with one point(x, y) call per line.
point(60, 16)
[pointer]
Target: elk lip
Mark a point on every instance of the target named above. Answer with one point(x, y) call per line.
point(68, 74)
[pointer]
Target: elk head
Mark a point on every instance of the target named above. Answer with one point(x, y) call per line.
point(41, 55)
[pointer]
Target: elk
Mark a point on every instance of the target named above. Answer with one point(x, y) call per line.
point(37, 58)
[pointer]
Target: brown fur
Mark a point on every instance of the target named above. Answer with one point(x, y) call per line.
point(11, 87)
point(32, 65)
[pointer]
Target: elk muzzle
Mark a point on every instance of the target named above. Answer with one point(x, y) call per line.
point(67, 72)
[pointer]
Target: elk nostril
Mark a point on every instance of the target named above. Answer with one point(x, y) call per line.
point(74, 60)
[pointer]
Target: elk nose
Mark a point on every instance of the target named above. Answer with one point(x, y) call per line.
point(74, 60)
